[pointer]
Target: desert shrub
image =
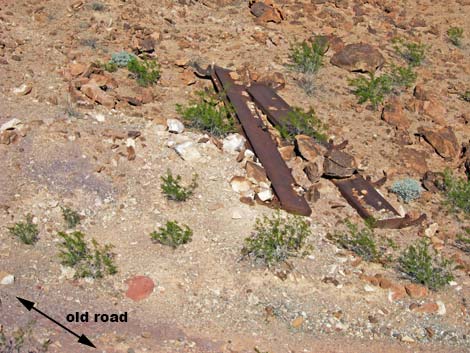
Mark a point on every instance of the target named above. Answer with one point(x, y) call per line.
point(208, 113)
point(455, 35)
point(95, 263)
point(172, 234)
point(98, 6)
point(457, 192)
point(413, 53)
point(21, 340)
point(146, 72)
point(363, 242)
point(173, 189)
point(277, 238)
point(463, 242)
point(307, 57)
point(403, 76)
point(122, 58)
point(71, 217)
point(465, 96)
point(422, 267)
point(372, 89)
point(407, 189)
point(305, 123)
point(26, 231)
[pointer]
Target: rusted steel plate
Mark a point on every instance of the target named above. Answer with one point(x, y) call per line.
point(263, 145)
point(362, 195)
point(275, 108)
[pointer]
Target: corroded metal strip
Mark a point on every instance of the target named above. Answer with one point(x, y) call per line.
point(263, 145)
point(359, 193)
point(275, 108)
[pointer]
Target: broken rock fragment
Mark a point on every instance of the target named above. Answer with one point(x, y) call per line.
point(394, 115)
point(339, 164)
point(308, 148)
point(96, 94)
point(240, 184)
point(233, 143)
point(175, 126)
point(266, 11)
point(256, 174)
point(358, 57)
point(188, 151)
point(443, 141)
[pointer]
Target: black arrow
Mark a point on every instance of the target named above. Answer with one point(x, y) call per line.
point(81, 339)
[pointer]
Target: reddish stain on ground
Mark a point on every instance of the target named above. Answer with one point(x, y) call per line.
point(139, 287)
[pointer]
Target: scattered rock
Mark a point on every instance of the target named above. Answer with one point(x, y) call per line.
point(314, 169)
point(77, 69)
point(265, 195)
point(339, 164)
point(23, 90)
point(443, 141)
point(413, 160)
point(175, 126)
point(265, 11)
point(96, 94)
point(188, 151)
point(416, 291)
point(8, 137)
point(287, 152)
point(240, 184)
point(297, 169)
point(233, 143)
point(396, 292)
point(358, 57)
point(394, 115)
point(297, 322)
point(431, 230)
point(275, 80)
point(441, 307)
point(6, 278)
point(256, 174)
point(428, 308)
point(11, 124)
point(308, 148)
point(139, 287)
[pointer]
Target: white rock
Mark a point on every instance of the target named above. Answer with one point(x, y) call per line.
point(174, 140)
point(99, 117)
point(130, 142)
point(233, 143)
point(265, 195)
point(237, 213)
point(22, 90)
point(240, 184)
point(8, 279)
point(188, 151)
point(174, 125)
point(369, 288)
point(249, 154)
point(67, 272)
point(431, 230)
point(11, 124)
point(442, 308)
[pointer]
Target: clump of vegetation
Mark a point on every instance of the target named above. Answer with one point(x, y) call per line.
point(363, 242)
point(98, 6)
point(422, 267)
point(457, 192)
point(277, 238)
point(146, 72)
point(403, 76)
point(95, 263)
point(109, 66)
point(307, 57)
point(372, 89)
point(455, 35)
point(407, 189)
point(463, 242)
point(71, 217)
point(413, 53)
point(172, 234)
point(122, 58)
point(173, 189)
point(305, 123)
point(21, 340)
point(465, 96)
point(27, 231)
point(208, 113)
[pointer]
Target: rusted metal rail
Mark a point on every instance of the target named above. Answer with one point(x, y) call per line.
point(360, 193)
point(263, 145)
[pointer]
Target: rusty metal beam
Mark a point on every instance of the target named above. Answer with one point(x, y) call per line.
point(361, 193)
point(263, 145)
point(275, 108)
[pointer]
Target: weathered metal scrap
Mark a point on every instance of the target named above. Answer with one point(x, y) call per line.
point(361, 194)
point(263, 145)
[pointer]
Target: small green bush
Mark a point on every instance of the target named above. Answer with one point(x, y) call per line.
point(413, 53)
point(208, 113)
point(71, 217)
point(307, 57)
point(27, 231)
point(146, 72)
point(403, 76)
point(172, 234)
point(463, 242)
point(422, 267)
point(455, 35)
point(362, 242)
point(122, 58)
point(173, 189)
point(457, 192)
point(305, 123)
point(94, 263)
point(407, 189)
point(277, 238)
point(465, 96)
point(372, 89)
